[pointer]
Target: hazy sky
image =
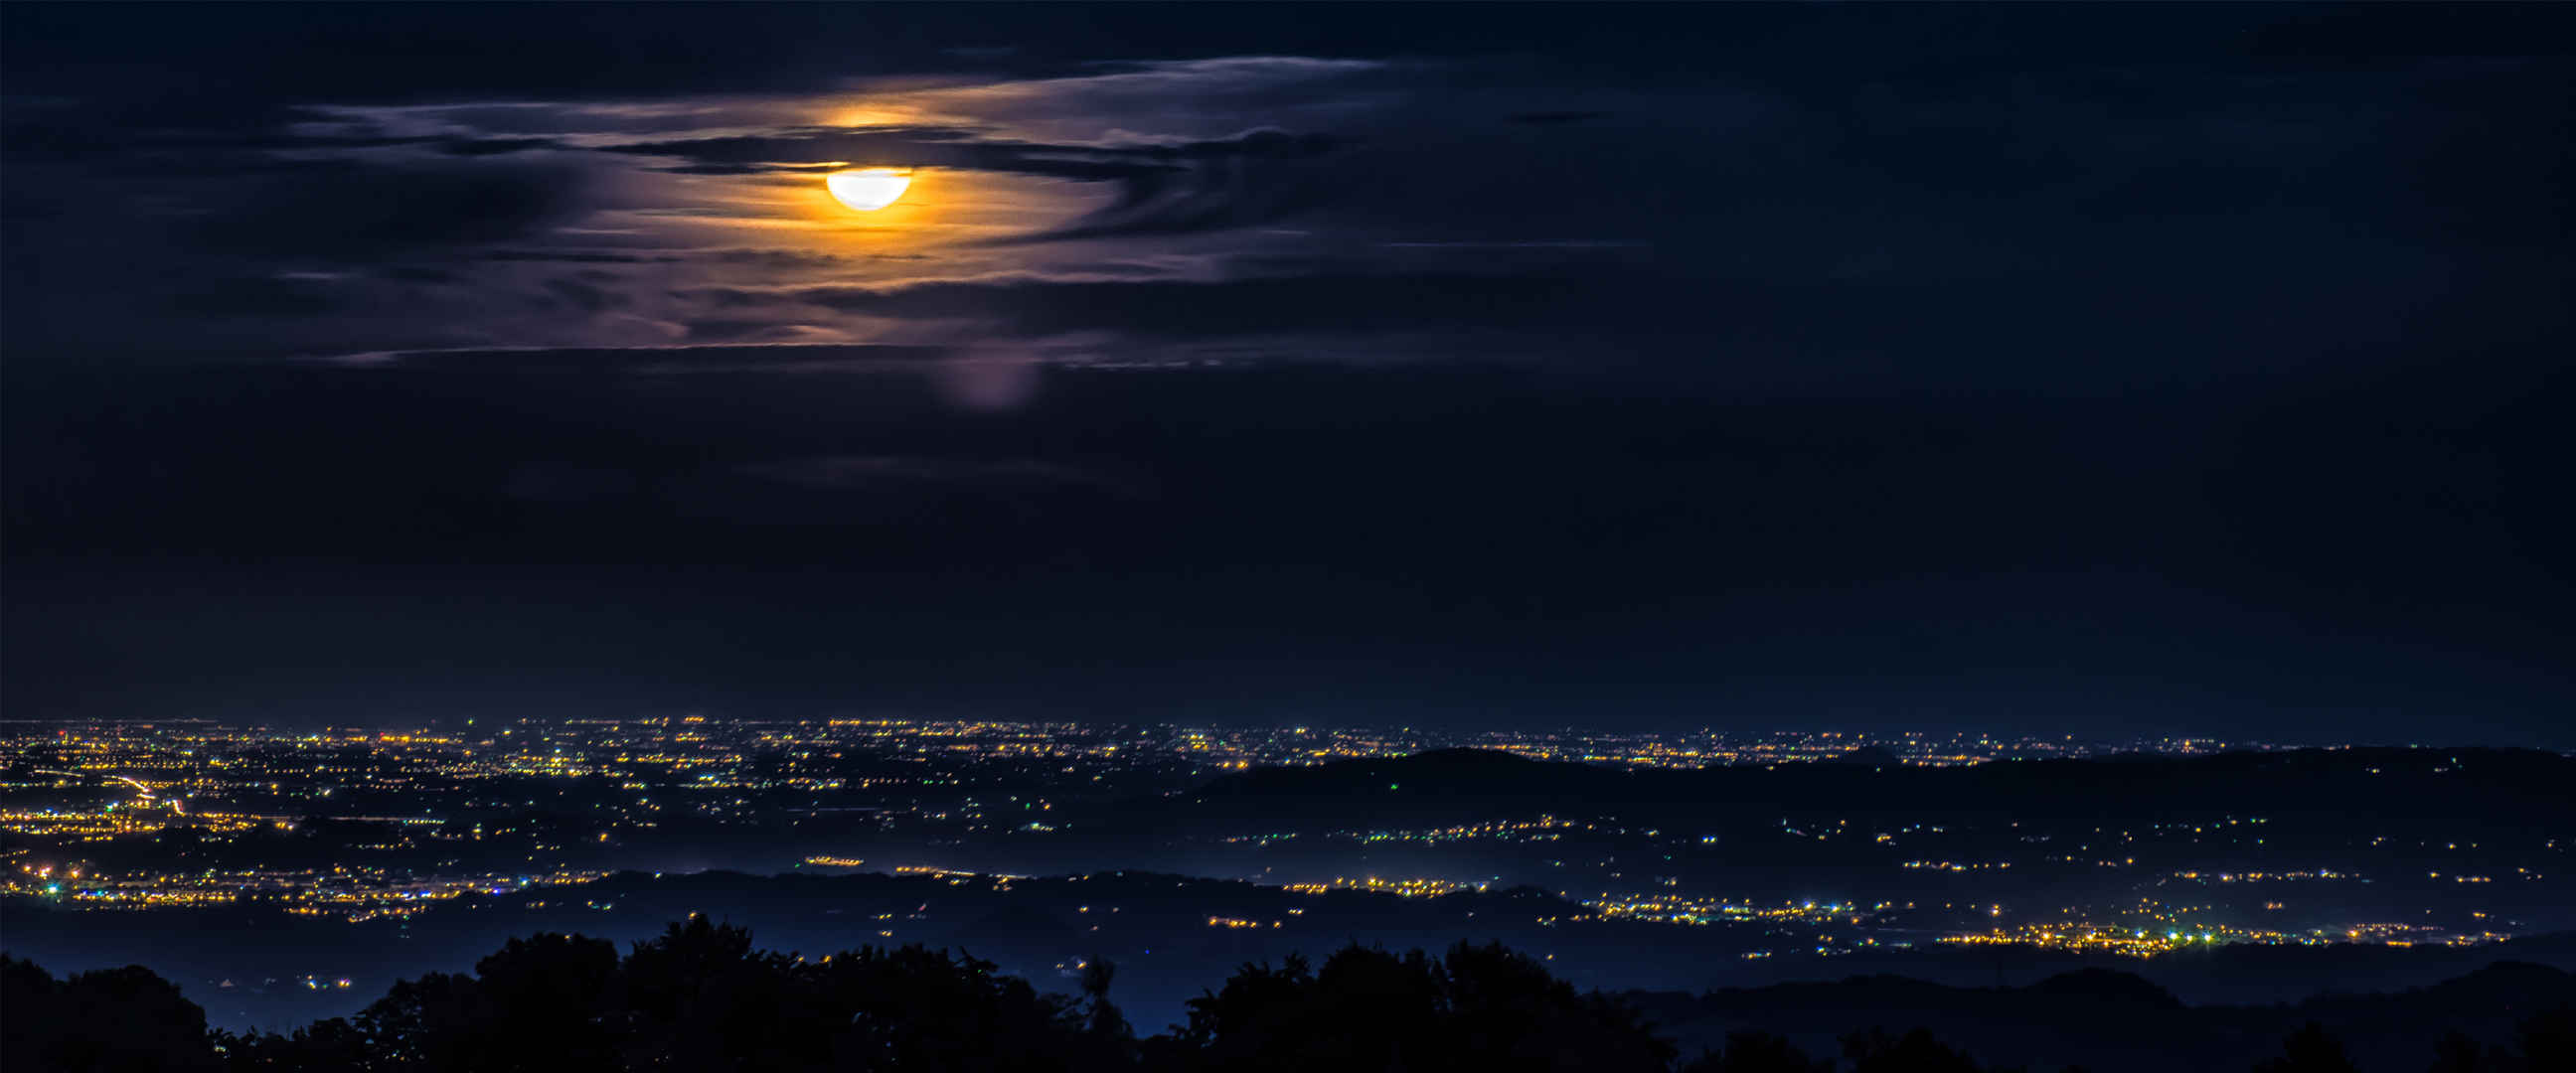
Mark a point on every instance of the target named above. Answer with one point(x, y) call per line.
point(2092, 368)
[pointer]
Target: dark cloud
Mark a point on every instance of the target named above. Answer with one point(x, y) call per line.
point(647, 360)
point(1256, 178)
point(1331, 305)
point(1855, 334)
point(587, 295)
point(419, 274)
point(751, 169)
point(495, 146)
point(156, 138)
point(730, 330)
point(255, 297)
point(369, 211)
point(865, 473)
point(798, 259)
point(805, 149)
point(578, 257)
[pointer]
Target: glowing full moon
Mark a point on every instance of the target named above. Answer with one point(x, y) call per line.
point(867, 189)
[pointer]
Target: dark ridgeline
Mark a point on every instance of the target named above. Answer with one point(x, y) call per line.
point(701, 997)
point(2513, 787)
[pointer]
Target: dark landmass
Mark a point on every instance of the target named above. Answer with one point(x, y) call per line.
point(265, 967)
point(700, 995)
point(2109, 1021)
point(1828, 871)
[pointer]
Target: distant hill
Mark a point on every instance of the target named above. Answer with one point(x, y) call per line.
point(1867, 756)
point(2513, 786)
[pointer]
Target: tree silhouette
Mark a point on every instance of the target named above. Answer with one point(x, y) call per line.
point(1479, 1007)
point(913, 1008)
point(700, 997)
point(2455, 1052)
point(1757, 1052)
point(1875, 1051)
point(540, 1003)
point(332, 1045)
point(2309, 1050)
point(1107, 1028)
point(2549, 1039)
point(104, 1021)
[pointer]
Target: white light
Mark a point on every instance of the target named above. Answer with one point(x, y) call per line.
point(867, 189)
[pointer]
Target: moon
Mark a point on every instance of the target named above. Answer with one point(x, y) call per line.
point(867, 189)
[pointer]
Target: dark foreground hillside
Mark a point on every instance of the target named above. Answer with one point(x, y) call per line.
point(701, 997)
point(2115, 1022)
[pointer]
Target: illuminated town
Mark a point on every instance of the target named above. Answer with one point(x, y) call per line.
point(360, 825)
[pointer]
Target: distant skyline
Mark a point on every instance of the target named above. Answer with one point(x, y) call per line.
point(2102, 369)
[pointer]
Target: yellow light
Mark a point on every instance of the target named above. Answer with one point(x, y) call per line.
point(867, 189)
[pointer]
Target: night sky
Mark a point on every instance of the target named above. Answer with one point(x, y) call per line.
point(2096, 370)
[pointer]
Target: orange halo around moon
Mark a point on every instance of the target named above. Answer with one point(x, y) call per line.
point(868, 189)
